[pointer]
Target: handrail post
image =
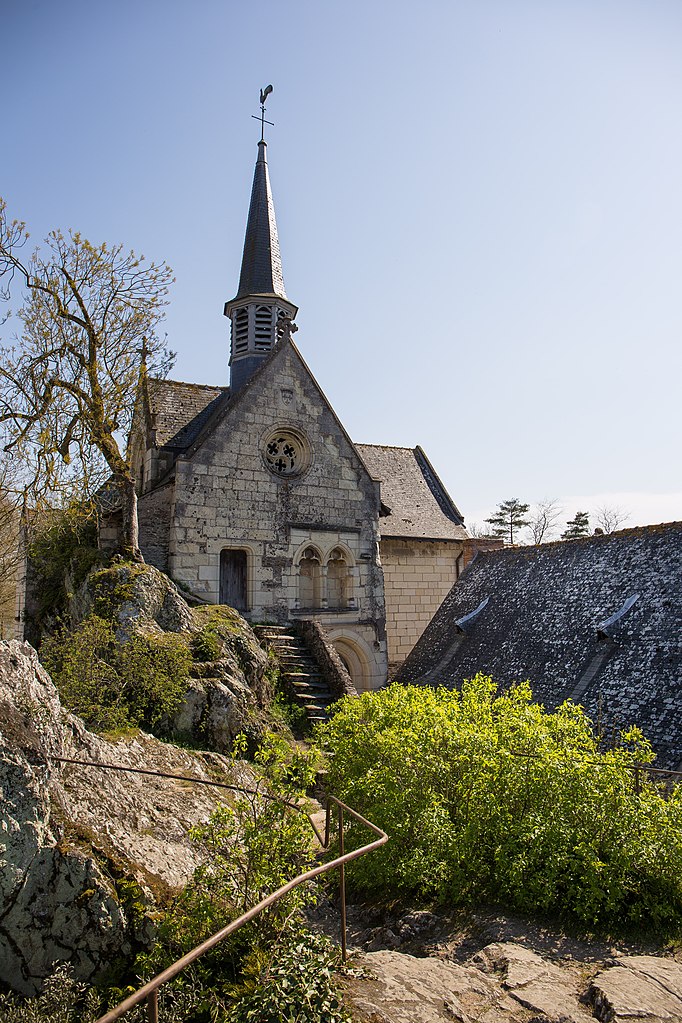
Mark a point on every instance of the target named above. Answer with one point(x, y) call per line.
point(342, 883)
point(153, 1007)
point(327, 824)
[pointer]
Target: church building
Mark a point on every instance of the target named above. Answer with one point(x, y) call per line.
point(254, 495)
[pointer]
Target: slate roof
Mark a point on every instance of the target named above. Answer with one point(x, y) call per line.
point(261, 272)
point(180, 410)
point(549, 618)
point(420, 506)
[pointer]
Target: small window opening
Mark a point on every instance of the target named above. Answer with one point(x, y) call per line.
point(309, 579)
point(338, 579)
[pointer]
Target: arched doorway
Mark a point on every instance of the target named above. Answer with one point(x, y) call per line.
point(355, 661)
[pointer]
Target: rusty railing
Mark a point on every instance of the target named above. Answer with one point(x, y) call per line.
point(149, 992)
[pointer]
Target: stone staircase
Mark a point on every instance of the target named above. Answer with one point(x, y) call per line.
point(299, 671)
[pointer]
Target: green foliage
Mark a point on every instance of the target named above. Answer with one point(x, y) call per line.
point(489, 797)
point(62, 550)
point(62, 1000)
point(206, 645)
point(511, 515)
point(252, 846)
point(114, 685)
point(66, 1000)
point(295, 983)
point(577, 526)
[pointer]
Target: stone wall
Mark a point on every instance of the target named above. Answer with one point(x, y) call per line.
point(227, 498)
point(154, 511)
point(330, 664)
point(418, 575)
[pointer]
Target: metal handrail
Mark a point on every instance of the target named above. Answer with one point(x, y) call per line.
point(149, 991)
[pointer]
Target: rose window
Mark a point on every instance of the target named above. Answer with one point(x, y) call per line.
point(286, 454)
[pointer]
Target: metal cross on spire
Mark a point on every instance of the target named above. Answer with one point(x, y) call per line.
point(264, 93)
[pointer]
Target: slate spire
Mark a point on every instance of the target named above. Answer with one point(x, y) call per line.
point(261, 262)
point(260, 312)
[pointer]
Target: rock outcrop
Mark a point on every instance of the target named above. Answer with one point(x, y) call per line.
point(512, 984)
point(458, 975)
point(228, 686)
point(86, 854)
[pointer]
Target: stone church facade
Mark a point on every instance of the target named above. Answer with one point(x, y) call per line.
point(254, 495)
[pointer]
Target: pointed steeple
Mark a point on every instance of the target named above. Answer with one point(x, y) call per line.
point(261, 262)
point(260, 309)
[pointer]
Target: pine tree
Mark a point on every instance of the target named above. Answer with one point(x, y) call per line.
point(578, 526)
point(510, 516)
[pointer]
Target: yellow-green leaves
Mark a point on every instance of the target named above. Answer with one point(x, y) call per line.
point(487, 796)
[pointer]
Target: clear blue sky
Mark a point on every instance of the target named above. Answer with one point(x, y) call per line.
point(479, 207)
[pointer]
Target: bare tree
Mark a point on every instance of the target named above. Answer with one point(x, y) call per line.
point(475, 530)
point(542, 524)
point(610, 517)
point(11, 547)
point(68, 386)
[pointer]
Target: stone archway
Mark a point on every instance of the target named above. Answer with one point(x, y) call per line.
point(355, 660)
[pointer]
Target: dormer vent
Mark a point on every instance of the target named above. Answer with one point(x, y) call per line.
point(468, 620)
point(604, 628)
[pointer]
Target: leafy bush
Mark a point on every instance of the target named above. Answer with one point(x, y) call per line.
point(206, 645)
point(295, 984)
point(114, 685)
point(62, 1000)
point(62, 549)
point(66, 1000)
point(252, 846)
point(491, 797)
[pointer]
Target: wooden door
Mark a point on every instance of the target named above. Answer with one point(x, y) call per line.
point(233, 590)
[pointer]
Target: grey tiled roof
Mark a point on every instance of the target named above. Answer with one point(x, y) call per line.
point(261, 272)
point(420, 506)
point(545, 605)
point(180, 410)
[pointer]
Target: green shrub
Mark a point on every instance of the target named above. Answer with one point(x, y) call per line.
point(489, 797)
point(62, 1000)
point(295, 983)
point(251, 847)
point(114, 685)
point(206, 645)
point(62, 549)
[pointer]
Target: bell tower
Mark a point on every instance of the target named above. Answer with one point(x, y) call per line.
point(260, 312)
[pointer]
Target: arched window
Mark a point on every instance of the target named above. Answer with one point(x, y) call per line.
point(338, 579)
point(309, 578)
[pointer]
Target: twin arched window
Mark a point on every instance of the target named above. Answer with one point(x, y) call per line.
point(324, 585)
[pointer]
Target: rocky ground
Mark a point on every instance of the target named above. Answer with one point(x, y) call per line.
point(487, 967)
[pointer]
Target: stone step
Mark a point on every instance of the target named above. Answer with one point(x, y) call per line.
point(299, 669)
point(313, 683)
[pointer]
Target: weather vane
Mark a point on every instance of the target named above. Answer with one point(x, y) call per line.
point(264, 93)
